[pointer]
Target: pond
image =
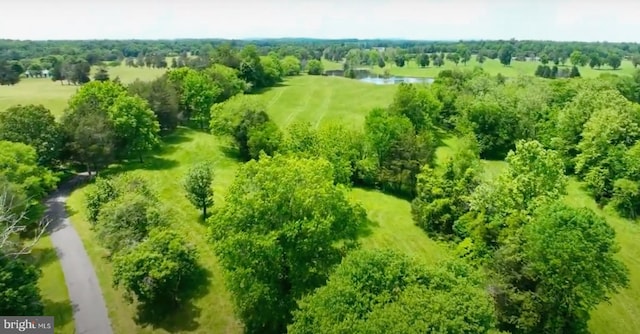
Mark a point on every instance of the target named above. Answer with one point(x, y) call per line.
point(377, 79)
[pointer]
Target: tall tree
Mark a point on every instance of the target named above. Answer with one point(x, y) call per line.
point(543, 291)
point(101, 75)
point(576, 58)
point(162, 98)
point(294, 222)
point(158, 271)
point(423, 60)
point(505, 53)
point(198, 186)
point(135, 126)
point(33, 125)
point(387, 292)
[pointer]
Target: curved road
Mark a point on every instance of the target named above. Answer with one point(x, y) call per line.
point(89, 311)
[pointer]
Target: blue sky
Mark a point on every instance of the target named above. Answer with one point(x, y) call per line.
point(586, 20)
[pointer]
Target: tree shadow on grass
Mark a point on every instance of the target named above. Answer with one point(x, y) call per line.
point(43, 256)
point(231, 152)
point(266, 89)
point(180, 317)
point(366, 229)
point(62, 312)
point(149, 163)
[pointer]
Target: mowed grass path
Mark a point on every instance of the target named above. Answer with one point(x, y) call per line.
point(316, 99)
point(491, 66)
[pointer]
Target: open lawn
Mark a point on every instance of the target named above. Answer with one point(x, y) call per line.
point(55, 95)
point(325, 99)
point(493, 67)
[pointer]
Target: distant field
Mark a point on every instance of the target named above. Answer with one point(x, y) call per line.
point(54, 95)
point(411, 68)
point(319, 99)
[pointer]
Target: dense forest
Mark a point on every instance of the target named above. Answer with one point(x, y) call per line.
point(286, 233)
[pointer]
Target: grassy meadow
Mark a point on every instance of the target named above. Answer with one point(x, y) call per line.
point(55, 95)
point(491, 66)
point(305, 98)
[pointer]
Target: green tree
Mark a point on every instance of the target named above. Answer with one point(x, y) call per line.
point(197, 95)
point(399, 60)
point(314, 67)
point(101, 75)
point(90, 137)
point(544, 58)
point(571, 118)
point(535, 176)
point(443, 194)
point(226, 78)
point(106, 190)
point(595, 61)
point(546, 293)
point(496, 127)
point(272, 70)
point(283, 226)
point(480, 58)
point(33, 125)
point(505, 53)
point(382, 128)
point(626, 198)
point(606, 135)
point(576, 58)
point(423, 60)
point(454, 57)
point(635, 60)
point(291, 66)
point(135, 125)
point(126, 221)
point(198, 186)
point(418, 104)
point(19, 165)
point(158, 271)
point(251, 69)
point(381, 62)
point(387, 292)
point(162, 98)
point(19, 291)
point(575, 73)
point(614, 61)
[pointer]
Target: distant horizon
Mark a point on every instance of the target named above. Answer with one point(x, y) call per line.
point(433, 20)
point(319, 39)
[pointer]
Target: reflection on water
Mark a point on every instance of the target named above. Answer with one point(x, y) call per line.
point(394, 80)
point(376, 79)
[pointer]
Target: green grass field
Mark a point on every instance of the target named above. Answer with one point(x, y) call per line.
point(316, 100)
point(493, 67)
point(55, 95)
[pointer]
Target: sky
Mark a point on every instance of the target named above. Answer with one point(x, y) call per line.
point(562, 20)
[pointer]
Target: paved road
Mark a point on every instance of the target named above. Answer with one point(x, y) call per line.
point(89, 311)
